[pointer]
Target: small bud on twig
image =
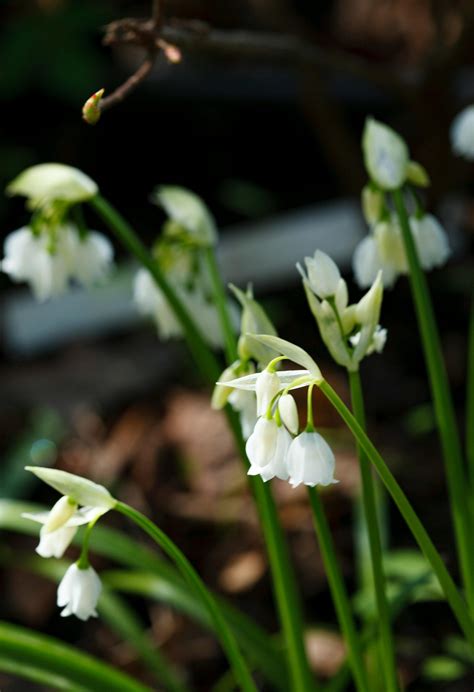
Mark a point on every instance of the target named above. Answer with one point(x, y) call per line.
point(91, 110)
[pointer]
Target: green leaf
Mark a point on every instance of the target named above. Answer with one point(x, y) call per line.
point(162, 583)
point(49, 657)
point(291, 351)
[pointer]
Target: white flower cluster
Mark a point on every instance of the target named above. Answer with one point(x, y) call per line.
point(390, 169)
point(49, 266)
point(80, 587)
point(383, 249)
point(52, 252)
point(350, 332)
point(189, 229)
point(151, 302)
point(275, 449)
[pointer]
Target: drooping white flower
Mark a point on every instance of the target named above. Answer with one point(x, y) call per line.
point(377, 343)
point(323, 274)
point(266, 388)
point(310, 460)
point(431, 241)
point(55, 541)
point(289, 413)
point(49, 263)
point(384, 250)
point(93, 256)
point(261, 445)
point(151, 302)
point(78, 592)
point(462, 133)
point(245, 403)
point(52, 182)
point(276, 464)
point(28, 258)
point(386, 155)
point(189, 212)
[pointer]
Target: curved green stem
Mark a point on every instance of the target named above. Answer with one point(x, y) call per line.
point(221, 305)
point(455, 600)
point(375, 544)
point(122, 229)
point(226, 637)
point(338, 592)
point(443, 404)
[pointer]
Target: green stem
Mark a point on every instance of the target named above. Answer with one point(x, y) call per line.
point(226, 637)
point(338, 592)
point(443, 404)
point(284, 580)
point(121, 228)
point(283, 577)
point(221, 305)
point(470, 398)
point(369, 502)
point(451, 593)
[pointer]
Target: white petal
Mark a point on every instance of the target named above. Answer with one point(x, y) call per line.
point(55, 543)
point(289, 413)
point(286, 377)
point(462, 133)
point(261, 444)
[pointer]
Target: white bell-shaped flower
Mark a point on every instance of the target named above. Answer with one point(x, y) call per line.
point(28, 257)
point(49, 265)
point(151, 302)
point(367, 262)
point(189, 211)
point(261, 444)
point(276, 465)
point(431, 241)
point(462, 133)
point(323, 274)
point(54, 542)
point(289, 413)
point(92, 259)
point(310, 460)
point(266, 388)
point(78, 592)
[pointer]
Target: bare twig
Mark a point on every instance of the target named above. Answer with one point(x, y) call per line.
point(129, 85)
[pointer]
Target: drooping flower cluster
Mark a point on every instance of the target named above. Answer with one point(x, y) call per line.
point(389, 167)
point(350, 332)
point(52, 251)
point(188, 231)
point(82, 503)
point(276, 448)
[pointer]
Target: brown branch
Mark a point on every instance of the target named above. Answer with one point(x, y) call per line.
point(129, 85)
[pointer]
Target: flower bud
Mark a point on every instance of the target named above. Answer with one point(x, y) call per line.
point(462, 133)
point(323, 274)
point(91, 110)
point(417, 174)
point(368, 307)
point(385, 154)
point(289, 413)
point(372, 204)
point(221, 393)
point(254, 320)
point(60, 513)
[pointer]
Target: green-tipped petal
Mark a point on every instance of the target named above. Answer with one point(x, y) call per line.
point(49, 182)
point(81, 490)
